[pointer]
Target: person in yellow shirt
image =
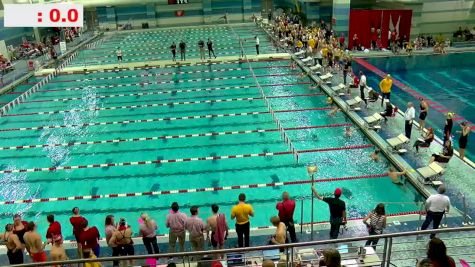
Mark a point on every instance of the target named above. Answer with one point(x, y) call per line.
point(88, 254)
point(299, 44)
point(311, 43)
point(385, 86)
point(241, 213)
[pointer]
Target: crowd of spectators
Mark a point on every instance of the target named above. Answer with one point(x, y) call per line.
point(22, 235)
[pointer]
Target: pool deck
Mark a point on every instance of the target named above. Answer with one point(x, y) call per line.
point(159, 64)
point(458, 175)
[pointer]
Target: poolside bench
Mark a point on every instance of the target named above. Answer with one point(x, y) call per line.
point(337, 88)
point(397, 143)
point(374, 120)
point(300, 53)
point(431, 172)
point(352, 103)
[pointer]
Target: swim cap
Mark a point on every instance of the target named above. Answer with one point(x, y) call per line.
point(450, 115)
point(337, 192)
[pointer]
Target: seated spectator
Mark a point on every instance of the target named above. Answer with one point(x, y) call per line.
point(428, 138)
point(280, 232)
point(437, 254)
point(388, 111)
point(445, 156)
point(331, 258)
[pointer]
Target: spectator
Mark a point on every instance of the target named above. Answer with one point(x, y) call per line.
point(388, 112)
point(241, 213)
point(449, 124)
point(218, 227)
point(182, 46)
point(424, 109)
point(19, 227)
point(148, 231)
point(436, 206)
point(280, 232)
point(54, 228)
point(13, 244)
point(89, 254)
point(286, 210)
point(110, 228)
point(409, 116)
point(427, 139)
point(33, 244)
point(337, 211)
point(445, 156)
point(362, 86)
point(376, 224)
point(463, 140)
point(385, 86)
point(437, 254)
point(77, 222)
point(122, 239)
point(331, 258)
point(57, 252)
point(89, 239)
point(195, 227)
point(176, 223)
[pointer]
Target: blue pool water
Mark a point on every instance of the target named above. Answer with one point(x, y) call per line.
point(69, 101)
point(446, 79)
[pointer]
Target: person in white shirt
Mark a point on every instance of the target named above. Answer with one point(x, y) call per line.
point(362, 87)
point(436, 206)
point(409, 116)
point(257, 44)
point(118, 52)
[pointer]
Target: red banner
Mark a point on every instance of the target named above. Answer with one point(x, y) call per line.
point(362, 22)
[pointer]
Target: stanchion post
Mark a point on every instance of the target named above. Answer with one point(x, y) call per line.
point(311, 170)
point(301, 216)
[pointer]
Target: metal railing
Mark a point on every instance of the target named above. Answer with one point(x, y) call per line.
point(290, 251)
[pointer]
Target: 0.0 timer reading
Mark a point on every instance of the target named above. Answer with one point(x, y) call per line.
point(44, 15)
point(55, 16)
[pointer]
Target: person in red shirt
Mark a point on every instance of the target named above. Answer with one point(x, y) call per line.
point(342, 41)
point(77, 221)
point(54, 228)
point(286, 214)
point(89, 239)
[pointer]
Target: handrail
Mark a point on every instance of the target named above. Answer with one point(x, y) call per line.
point(258, 248)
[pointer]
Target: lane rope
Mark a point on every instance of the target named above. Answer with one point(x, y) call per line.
point(169, 104)
point(194, 190)
point(162, 161)
point(138, 139)
point(209, 116)
point(155, 91)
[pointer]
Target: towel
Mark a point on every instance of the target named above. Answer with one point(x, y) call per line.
point(221, 229)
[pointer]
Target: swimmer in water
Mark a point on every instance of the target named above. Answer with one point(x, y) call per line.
point(333, 112)
point(348, 132)
point(329, 100)
point(293, 66)
point(394, 175)
point(375, 155)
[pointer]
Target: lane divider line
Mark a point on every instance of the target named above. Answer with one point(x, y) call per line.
point(152, 75)
point(162, 161)
point(154, 91)
point(138, 139)
point(194, 190)
point(209, 116)
point(169, 104)
point(172, 82)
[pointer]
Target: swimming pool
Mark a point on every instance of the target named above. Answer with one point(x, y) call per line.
point(154, 44)
point(137, 140)
point(444, 79)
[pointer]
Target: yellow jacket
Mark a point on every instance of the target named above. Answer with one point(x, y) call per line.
point(311, 43)
point(386, 85)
